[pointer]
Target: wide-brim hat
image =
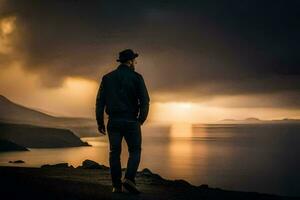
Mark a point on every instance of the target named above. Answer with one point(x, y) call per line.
point(127, 54)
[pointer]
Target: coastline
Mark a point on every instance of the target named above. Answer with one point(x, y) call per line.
point(92, 181)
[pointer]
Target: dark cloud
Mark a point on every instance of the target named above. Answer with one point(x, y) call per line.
point(206, 47)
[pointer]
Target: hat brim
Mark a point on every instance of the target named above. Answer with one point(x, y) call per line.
point(133, 57)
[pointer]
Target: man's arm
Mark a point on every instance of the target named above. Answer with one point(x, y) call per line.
point(144, 100)
point(100, 105)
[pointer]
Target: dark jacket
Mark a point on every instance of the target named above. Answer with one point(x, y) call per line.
point(123, 95)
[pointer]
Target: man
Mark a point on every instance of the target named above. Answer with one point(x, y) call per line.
point(124, 96)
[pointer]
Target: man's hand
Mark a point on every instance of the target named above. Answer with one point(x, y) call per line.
point(140, 122)
point(101, 129)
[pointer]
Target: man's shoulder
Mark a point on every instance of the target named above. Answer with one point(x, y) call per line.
point(138, 75)
point(109, 74)
point(112, 74)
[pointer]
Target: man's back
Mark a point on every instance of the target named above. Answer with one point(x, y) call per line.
point(124, 95)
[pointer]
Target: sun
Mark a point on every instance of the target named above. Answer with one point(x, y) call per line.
point(173, 112)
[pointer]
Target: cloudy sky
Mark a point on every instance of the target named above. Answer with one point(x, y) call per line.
point(206, 60)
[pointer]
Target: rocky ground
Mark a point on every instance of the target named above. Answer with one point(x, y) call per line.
point(92, 181)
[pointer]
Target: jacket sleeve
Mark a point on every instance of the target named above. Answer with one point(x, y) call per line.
point(100, 103)
point(144, 100)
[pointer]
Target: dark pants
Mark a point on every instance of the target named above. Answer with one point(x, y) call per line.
point(131, 131)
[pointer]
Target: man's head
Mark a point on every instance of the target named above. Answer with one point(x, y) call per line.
point(131, 63)
point(127, 57)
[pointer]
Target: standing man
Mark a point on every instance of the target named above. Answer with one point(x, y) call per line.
point(124, 96)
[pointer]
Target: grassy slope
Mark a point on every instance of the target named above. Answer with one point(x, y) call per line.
point(6, 145)
point(39, 137)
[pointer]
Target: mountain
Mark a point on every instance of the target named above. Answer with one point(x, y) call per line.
point(6, 145)
point(31, 136)
point(11, 112)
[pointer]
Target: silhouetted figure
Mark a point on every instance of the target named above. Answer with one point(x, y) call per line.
point(124, 96)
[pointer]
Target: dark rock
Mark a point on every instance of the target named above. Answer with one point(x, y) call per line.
point(17, 161)
point(146, 171)
point(203, 186)
point(90, 164)
point(156, 179)
point(181, 183)
point(150, 178)
point(59, 165)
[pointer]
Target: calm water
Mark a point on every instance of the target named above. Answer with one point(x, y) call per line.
point(262, 158)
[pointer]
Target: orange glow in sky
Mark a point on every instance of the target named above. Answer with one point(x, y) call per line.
point(76, 98)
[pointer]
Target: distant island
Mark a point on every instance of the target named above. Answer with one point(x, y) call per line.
point(11, 112)
point(253, 120)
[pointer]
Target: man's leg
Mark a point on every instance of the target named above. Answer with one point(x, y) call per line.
point(133, 138)
point(115, 140)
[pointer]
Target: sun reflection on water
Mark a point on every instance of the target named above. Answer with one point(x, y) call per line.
point(181, 130)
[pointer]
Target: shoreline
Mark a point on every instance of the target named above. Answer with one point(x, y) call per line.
point(92, 181)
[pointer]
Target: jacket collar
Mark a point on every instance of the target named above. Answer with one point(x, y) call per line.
point(123, 66)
